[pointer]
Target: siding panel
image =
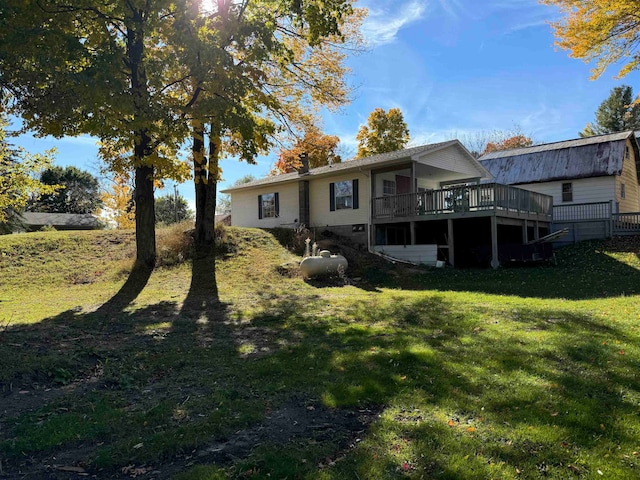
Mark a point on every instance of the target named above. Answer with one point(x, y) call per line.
point(322, 216)
point(631, 202)
point(244, 206)
point(452, 159)
point(585, 190)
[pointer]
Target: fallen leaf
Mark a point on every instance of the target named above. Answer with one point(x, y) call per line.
point(452, 423)
point(138, 445)
point(471, 429)
point(65, 468)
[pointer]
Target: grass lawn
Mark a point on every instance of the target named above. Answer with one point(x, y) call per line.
point(406, 373)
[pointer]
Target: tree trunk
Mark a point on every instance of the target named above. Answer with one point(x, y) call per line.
point(200, 182)
point(145, 205)
point(212, 184)
point(145, 217)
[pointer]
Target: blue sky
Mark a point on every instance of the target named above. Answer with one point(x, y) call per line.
point(452, 67)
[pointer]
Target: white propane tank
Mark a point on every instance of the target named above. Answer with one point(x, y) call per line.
point(323, 264)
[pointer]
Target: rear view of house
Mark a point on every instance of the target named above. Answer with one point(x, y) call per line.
point(588, 170)
point(593, 182)
point(421, 204)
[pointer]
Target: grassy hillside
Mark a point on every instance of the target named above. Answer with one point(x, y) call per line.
point(406, 373)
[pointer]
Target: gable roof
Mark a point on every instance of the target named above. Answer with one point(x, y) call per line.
point(377, 160)
point(598, 156)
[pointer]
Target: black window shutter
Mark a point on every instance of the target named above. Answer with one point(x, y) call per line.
point(260, 206)
point(277, 200)
point(332, 197)
point(356, 202)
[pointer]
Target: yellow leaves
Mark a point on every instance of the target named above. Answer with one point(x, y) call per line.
point(384, 132)
point(602, 30)
point(119, 206)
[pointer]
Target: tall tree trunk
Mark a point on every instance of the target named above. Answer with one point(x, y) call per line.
point(212, 184)
point(200, 182)
point(145, 212)
point(145, 205)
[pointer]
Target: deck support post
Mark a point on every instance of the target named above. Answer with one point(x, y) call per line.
point(495, 263)
point(450, 242)
point(536, 231)
point(525, 232)
point(412, 232)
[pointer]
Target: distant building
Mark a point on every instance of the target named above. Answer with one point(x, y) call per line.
point(34, 221)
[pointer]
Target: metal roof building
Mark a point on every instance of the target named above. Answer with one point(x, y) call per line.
point(598, 156)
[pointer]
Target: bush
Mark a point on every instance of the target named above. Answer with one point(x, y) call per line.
point(292, 239)
point(175, 244)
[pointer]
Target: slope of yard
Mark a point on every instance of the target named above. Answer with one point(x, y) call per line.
point(519, 373)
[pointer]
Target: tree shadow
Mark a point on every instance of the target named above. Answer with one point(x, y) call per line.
point(174, 382)
point(580, 276)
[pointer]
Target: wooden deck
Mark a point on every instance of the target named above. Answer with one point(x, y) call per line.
point(484, 200)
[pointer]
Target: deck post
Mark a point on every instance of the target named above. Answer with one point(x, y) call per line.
point(412, 231)
point(450, 242)
point(495, 263)
point(525, 232)
point(536, 231)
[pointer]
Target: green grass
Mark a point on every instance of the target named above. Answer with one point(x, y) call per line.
point(518, 373)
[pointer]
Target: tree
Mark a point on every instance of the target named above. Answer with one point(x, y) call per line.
point(19, 177)
point(477, 142)
point(320, 148)
point(143, 76)
point(119, 207)
point(275, 64)
point(90, 67)
point(602, 30)
point(384, 132)
point(618, 113)
point(172, 209)
point(224, 203)
point(78, 192)
point(517, 141)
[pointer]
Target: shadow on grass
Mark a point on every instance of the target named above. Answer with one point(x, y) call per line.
point(581, 274)
point(465, 392)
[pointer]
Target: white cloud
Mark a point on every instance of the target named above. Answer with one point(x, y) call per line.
point(383, 23)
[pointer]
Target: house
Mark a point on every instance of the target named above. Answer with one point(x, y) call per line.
point(34, 221)
point(421, 204)
point(599, 169)
point(223, 219)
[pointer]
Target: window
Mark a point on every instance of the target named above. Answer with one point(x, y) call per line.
point(567, 192)
point(388, 187)
point(343, 195)
point(268, 206)
point(627, 153)
point(623, 190)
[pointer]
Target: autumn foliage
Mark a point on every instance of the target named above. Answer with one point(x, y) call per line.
point(118, 203)
point(321, 149)
point(384, 132)
point(606, 31)
point(517, 141)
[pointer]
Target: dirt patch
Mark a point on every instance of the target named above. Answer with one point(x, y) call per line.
point(298, 420)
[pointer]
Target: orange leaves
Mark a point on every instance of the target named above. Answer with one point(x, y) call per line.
point(320, 148)
point(517, 141)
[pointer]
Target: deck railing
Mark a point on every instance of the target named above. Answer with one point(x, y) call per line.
point(626, 223)
point(582, 212)
point(470, 198)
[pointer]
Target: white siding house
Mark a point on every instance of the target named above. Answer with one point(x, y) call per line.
point(426, 167)
point(602, 168)
point(423, 204)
